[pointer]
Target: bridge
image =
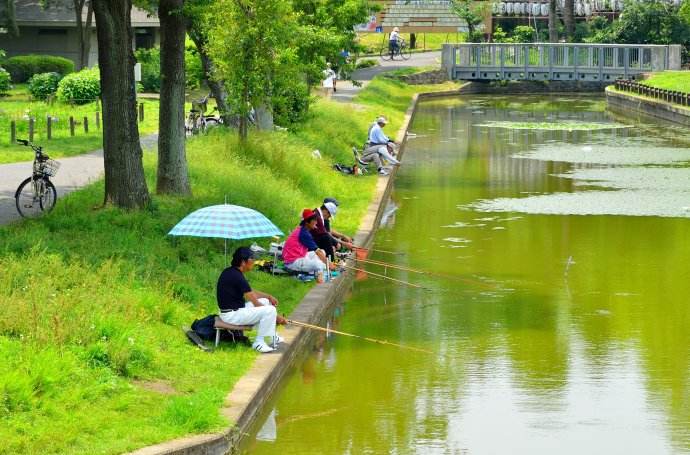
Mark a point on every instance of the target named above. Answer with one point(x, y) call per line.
point(556, 61)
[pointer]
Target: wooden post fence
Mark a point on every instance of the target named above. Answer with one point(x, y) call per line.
point(141, 112)
point(13, 132)
point(31, 129)
point(86, 124)
point(98, 120)
point(71, 126)
point(49, 127)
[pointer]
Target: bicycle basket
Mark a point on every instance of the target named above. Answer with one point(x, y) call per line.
point(49, 167)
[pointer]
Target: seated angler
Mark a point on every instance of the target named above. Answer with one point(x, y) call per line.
point(378, 147)
point(322, 234)
point(240, 305)
point(300, 252)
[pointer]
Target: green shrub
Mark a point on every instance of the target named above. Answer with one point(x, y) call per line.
point(80, 88)
point(4, 81)
point(366, 63)
point(41, 86)
point(150, 60)
point(22, 67)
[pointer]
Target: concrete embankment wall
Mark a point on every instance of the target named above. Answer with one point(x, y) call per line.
point(627, 102)
point(244, 403)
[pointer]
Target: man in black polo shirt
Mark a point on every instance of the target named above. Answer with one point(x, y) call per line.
point(240, 305)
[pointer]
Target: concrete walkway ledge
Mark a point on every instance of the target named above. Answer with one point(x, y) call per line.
point(627, 102)
point(245, 401)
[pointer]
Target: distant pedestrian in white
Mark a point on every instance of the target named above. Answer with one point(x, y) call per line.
point(328, 82)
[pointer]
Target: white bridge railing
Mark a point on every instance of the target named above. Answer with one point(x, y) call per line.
point(556, 61)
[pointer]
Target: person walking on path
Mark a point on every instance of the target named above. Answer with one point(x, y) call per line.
point(240, 305)
point(328, 82)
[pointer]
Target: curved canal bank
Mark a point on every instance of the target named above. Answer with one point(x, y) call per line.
point(249, 395)
point(559, 311)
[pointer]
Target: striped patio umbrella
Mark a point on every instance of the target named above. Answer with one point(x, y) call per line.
point(226, 221)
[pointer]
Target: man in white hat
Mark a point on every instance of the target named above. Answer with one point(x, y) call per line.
point(394, 41)
point(378, 146)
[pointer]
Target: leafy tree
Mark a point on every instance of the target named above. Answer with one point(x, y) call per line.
point(569, 19)
point(651, 22)
point(251, 43)
point(472, 14)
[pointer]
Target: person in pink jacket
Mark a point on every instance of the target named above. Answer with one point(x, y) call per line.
point(300, 252)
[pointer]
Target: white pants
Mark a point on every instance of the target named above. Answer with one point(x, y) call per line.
point(309, 264)
point(382, 150)
point(264, 317)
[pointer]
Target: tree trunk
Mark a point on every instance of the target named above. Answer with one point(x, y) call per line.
point(217, 87)
point(83, 31)
point(569, 19)
point(172, 163)
point(553, 22)
point(125, 184)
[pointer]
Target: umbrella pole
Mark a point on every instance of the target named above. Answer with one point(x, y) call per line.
point(225, 243)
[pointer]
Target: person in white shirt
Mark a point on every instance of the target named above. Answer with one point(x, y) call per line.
point(394, 40)
point(328, 82)
point(378, 146)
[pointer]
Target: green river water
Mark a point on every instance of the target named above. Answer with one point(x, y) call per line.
point(562, 322)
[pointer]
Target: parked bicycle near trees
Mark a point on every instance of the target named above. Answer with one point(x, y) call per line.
point(37, 195)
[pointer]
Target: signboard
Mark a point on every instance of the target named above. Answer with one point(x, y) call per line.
point(370, 26)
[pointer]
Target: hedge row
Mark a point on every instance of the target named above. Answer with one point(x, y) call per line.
point(23, 67)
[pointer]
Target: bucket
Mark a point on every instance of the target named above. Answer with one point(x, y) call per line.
point(361, 253)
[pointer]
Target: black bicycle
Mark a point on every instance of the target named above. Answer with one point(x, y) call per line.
point(402, 50)
point(37, 195)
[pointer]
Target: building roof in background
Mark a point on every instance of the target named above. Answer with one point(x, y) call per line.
point(61, 13)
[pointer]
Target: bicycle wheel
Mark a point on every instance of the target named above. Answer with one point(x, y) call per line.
point(211, 122)
point(386, 54)
point(27, 200)
point(49, 197)
point(406, 53)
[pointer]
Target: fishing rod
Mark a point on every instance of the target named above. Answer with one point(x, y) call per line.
point(399, 253)
point(409, 269)
point(385, 277)
point(373, 340)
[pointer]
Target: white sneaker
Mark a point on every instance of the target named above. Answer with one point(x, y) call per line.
point(276, 341)
point(262, 347)
point(383, 172)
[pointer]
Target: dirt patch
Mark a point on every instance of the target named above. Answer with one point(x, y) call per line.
point(162, 387)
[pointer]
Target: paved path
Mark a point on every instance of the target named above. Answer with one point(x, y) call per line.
point(74, 173)
point(347, 91)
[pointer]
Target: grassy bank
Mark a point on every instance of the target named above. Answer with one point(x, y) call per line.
point(92, 301)
point(670, 80)
point(18, 108)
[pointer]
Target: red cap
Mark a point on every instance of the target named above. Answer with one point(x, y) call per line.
point(307, 213)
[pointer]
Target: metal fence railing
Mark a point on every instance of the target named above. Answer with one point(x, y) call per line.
point(670, 96)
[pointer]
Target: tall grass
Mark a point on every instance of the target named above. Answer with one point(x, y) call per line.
point(92, 301)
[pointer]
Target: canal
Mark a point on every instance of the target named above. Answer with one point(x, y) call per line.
point(559, 312)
